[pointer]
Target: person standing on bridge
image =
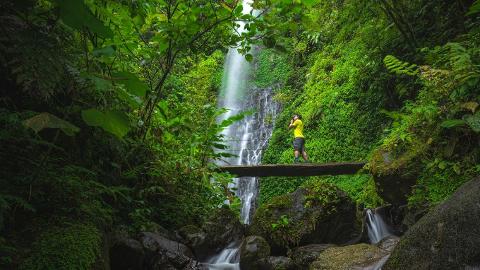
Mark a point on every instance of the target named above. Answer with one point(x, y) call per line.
point(299, 140)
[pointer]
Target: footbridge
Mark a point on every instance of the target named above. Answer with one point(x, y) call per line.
point(298, 169)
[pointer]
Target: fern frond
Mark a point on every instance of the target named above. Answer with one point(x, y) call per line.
point(399, 67)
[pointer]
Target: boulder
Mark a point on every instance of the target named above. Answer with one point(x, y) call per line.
point(163, 253)
point(359, 256)
point(394, 175)
point(317, 213)
point(303, 256)
point(221, 229)
point(127, 254)
point(253, 251)
point(388, 243)
point(277, 263)
point(447, 237)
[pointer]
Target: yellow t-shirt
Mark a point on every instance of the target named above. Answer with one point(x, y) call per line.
point(298, 131)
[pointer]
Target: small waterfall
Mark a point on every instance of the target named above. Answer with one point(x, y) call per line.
point(377, 229)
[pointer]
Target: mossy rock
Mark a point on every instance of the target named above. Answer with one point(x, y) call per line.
point(253, 250)
point(317, 213)
point(348, 257)
point(447, 237)
point(71, 247)
point(394, 174)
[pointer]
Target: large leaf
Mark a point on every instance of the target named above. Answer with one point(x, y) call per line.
point(115, 122)
point(47, 120)
point(77, 15)
point(474, 121)
point(133, 84)
point(452, 123)
point(93, 117)
point(475, 8)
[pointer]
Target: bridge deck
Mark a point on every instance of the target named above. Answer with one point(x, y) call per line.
point(299, 169)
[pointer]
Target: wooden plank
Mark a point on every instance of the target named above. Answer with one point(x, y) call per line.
point(298, 169)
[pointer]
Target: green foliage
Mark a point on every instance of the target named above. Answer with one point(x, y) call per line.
point(398, 67)
point(47, 120)
point(76, 246)
point(112, 121)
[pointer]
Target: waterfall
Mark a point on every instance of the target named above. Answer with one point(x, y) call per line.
point(377, 229)
point(246, 139)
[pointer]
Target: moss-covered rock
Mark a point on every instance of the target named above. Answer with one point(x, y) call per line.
point(447, 237)
point(394, 175)
point(222, 228)
point(317, 213)
point(348, 257)
point(253, 250)
point(303, 256)
point(65, 248)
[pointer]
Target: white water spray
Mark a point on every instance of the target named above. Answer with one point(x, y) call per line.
point(377, 229)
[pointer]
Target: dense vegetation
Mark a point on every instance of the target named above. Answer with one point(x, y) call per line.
point(376, 78)
point(108, 109)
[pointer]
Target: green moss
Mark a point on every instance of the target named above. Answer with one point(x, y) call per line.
point(73, 247)
point(282, 222)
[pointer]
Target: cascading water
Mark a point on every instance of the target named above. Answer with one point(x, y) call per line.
point(377, 229)
point(246, 139)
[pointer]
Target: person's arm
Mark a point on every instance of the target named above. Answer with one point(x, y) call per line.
point(292, 124)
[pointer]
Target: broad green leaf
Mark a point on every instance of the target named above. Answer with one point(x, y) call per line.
point(77, 15)
point(105, 51)
point(452, 123)
point(474, 121)
point(93, 117)
point(115, 122)
point(133, 84)
point(248, 57)
point(47, 120)
point(475, 8)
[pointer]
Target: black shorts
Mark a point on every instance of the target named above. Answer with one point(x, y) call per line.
point(299, 144)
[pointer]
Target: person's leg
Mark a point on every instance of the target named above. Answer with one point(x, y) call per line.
point(304, 153)
point(297, 154)
point(296, 150)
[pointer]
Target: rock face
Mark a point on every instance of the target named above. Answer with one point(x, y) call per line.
point(319, 213)
point(305, 255)
point(447, 237)
point(220, 230)
point(163, 253)
point(358, 256)
point(394, 175)
point(277, 263)
point(253, 253)
point(127, 254)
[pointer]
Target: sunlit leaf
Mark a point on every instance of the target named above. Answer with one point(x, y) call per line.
point(133, 84)
point(47, 120)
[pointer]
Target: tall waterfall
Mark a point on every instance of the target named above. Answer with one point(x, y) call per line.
point(246, 139)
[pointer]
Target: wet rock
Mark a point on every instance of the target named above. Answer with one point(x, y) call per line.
point(394, 175)
point(319, 213)
point(127, 254)
point(388, 243)
point(447, 237)
point(358, 256)
point(305, 255)
point(162, 252)
point(277, 263)
point(253, 251)
point(220, 230)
